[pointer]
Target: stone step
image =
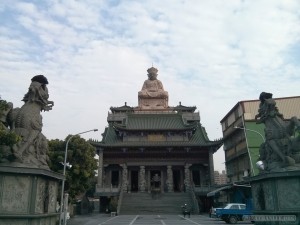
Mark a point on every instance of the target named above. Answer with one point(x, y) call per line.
point(145, 203)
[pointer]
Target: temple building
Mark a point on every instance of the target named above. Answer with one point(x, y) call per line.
point(154, 152)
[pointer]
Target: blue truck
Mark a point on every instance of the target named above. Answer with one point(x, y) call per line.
point(234, 212)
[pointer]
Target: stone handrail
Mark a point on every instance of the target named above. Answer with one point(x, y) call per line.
point(107, 189)
point(120, 200)
point(194, 200)
point(203, 188)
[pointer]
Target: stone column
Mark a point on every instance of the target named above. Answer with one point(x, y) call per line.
point(170, 184)
point(187, 176)
point(211, 167)
point(124, 178)
point(142, 179)
point(100, 169)
point(149, 181)
point(162, 183)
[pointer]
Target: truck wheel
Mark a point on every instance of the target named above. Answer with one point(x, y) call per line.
point(232, 220)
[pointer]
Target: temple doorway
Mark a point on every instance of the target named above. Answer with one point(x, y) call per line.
point(176, 181)
point(134, 180)
point(196, 177)
point(115, 178)
point(155, 180)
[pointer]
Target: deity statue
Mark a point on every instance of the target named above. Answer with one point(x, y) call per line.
point(281, 149)
point(26, 122)
point(152, 88)
point(153, 95)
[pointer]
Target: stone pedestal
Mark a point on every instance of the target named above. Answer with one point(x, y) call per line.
point(28, 196)
point(153, 103)
point(276, 193)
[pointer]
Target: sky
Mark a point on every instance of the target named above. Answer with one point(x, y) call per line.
point(95, 54)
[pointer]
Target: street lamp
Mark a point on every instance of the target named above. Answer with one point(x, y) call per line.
point(242, 128)
point(263, 138)
point(64, 173)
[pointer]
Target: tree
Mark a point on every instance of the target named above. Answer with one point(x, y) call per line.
point(7, 137)
point(81, 156)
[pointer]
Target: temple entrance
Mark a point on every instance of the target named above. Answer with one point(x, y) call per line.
point(104, 202)
point(155, 180)
point(134, 180)
point(196, 177)
point(115, 178)
point(176, 181)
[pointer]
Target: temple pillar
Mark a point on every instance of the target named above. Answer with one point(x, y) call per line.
point(170, 184)
point(142, 179)
point(149, 181)
point(124, 178)
point(162, 183)
point(100, 169)
point(211, 167)
point(187, 176)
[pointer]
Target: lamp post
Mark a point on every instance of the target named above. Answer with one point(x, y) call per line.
point(242, 128)
point(64, 173)
point(263, 138)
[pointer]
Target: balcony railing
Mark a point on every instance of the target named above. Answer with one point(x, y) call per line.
point(107, 190)
point(203, 189)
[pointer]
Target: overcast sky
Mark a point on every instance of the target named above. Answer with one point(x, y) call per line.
point(95, 53)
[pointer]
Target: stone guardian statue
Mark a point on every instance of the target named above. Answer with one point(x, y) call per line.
point(31, 150)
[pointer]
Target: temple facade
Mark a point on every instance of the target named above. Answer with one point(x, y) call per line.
point(155, 149)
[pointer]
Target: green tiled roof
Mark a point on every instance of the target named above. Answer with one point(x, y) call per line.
point(151, 122)
point(199, 138)
point(182, 108)
point(124, 108)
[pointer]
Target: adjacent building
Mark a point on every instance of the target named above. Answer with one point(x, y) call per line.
point(243, 136)
point(155, 148)
point(220, 178)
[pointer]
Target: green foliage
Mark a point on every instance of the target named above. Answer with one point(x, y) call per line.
point(3, 104)
point(113, 204)
point(81, 156)
point(7, 137)
point(92, 183)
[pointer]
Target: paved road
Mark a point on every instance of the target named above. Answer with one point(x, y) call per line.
point(103, 219)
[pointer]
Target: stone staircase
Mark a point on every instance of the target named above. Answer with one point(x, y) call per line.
point(146, 203)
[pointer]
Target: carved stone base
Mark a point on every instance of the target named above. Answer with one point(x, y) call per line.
point(28, 196)
point(153, 103)
point(276, 194)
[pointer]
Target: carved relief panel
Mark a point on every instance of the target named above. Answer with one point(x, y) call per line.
point(16, 194)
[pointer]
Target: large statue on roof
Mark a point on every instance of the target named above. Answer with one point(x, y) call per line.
point(281, 150)
point(153, 87)
point(153, 94)
point(26, 122)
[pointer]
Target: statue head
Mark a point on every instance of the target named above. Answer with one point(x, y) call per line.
point(264, 95)
point(38, 91)
point(152, 73)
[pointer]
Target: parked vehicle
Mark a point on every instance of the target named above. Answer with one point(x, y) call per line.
point(234, 212)
point(214, 212)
